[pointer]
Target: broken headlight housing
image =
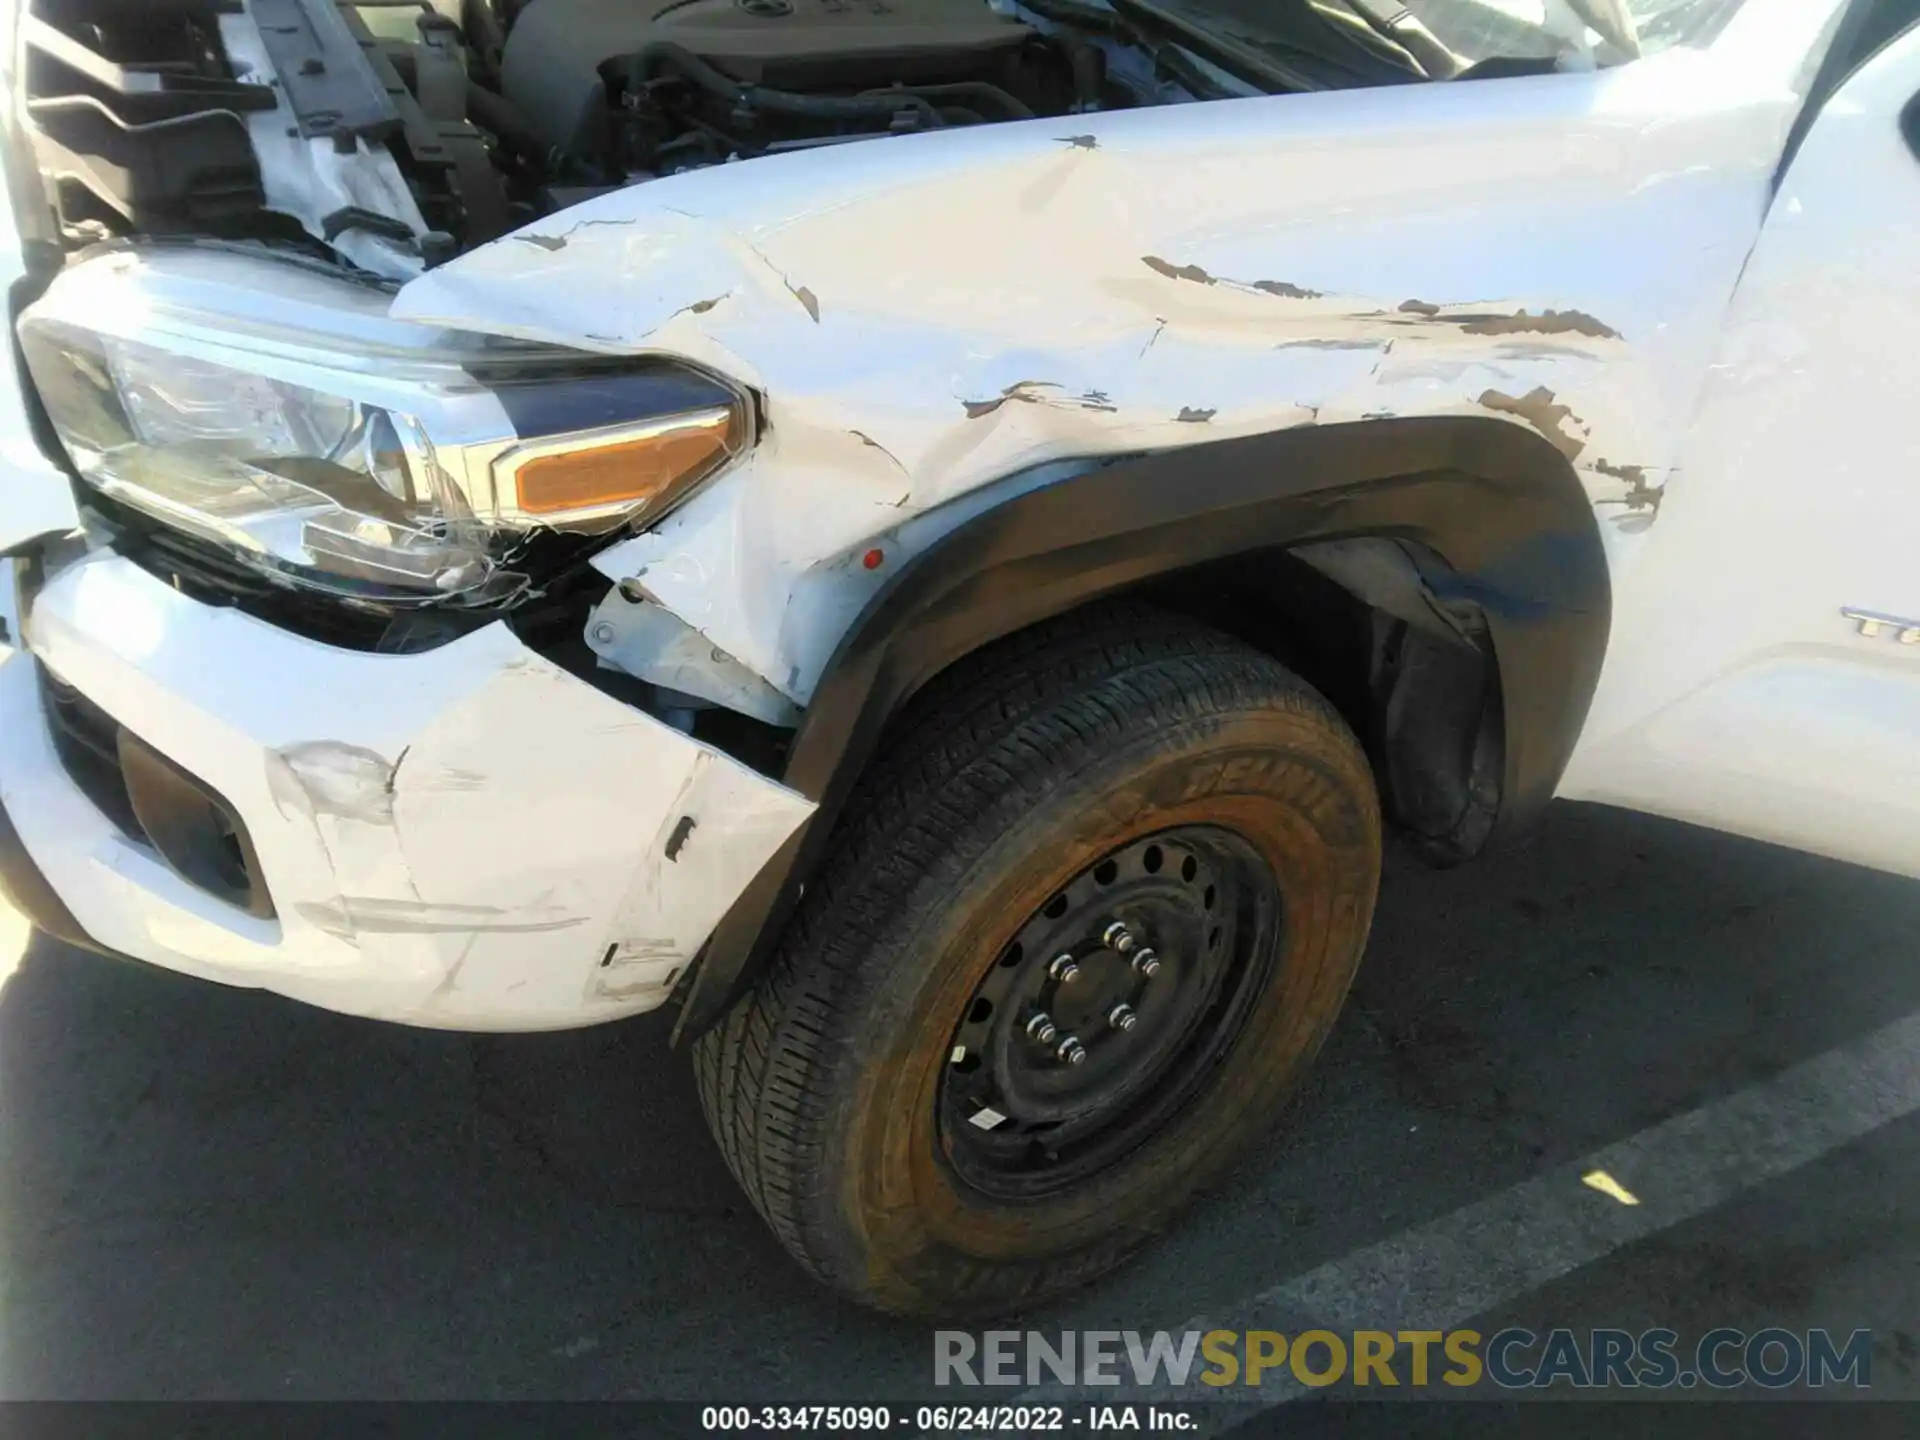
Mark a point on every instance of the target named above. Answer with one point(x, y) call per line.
point(271, 409)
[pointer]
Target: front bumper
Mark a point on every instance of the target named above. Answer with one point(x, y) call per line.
point(469, 838)
point(25, 891)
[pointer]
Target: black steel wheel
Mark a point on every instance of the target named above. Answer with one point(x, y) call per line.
point(1109, 1008)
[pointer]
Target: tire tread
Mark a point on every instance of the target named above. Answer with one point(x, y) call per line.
point(1000, 724)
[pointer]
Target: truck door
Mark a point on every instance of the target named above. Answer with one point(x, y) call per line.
point(1764, 671)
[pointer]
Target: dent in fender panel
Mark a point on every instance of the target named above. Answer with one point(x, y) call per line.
point(1499, 504)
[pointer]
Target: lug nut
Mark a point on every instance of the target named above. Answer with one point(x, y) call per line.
point(1121, 1017)
point(1071, 1051)
point(1147, 963)
point(1118, 937)
point(1063, 969)
point(1041, 1028)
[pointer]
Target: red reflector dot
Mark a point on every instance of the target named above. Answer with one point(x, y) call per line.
point(874, 559)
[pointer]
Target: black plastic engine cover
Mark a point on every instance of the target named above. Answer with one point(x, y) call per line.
point(551, 68)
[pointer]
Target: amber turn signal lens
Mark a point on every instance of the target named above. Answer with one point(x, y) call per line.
point(635, 468)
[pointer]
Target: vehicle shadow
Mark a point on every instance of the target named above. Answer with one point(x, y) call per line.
point(210, 1193)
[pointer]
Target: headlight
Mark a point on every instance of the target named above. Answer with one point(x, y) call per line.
point(272, 409)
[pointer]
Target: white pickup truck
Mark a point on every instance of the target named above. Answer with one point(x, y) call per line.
point(935, 536)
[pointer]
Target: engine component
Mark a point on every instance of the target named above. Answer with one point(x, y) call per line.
point(460, 193)
point(568, 61)
point(138, 125)
point(397, 144)
point(260, 120)
point(393, 134)
point(316, 56)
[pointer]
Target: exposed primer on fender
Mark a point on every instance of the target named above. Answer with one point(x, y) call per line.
point(1193, 272)
point(1036, 392)
point(1640, 495)
point(683, 828)
point(1540, 409)
point(1548, 322)
point(806, 299)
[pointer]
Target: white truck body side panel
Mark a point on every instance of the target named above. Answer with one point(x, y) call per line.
point(1736, 692)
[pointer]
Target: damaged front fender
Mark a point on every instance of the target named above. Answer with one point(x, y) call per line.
point(925, 316)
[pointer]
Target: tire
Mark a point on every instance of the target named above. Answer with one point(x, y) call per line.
point(832, 1086)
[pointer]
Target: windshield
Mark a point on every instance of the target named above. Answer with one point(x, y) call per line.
point(1607, 31)
point(1320, 44)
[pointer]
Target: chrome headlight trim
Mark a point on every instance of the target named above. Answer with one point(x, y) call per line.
point(177, 375)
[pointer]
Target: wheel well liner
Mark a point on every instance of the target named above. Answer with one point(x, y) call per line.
point(1496, 501)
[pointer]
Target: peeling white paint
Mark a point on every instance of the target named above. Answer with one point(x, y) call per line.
point(927, 315)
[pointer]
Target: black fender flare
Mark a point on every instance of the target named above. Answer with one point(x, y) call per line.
point(1499, 503)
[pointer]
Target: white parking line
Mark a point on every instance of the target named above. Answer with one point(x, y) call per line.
point(1436, 1276)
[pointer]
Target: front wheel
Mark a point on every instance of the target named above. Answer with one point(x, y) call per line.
point(1077, 938)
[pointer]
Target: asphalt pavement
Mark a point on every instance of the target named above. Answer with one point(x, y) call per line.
point(210, 1194)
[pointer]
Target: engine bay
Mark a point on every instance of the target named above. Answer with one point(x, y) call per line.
point(633, 90)
point(395, 134)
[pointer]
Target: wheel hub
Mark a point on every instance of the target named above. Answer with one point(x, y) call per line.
point(1106, 1010)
